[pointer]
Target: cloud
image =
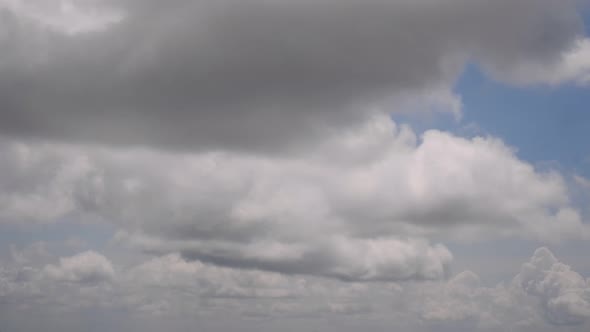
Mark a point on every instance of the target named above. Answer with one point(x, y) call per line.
point(582, 181)
point(564, 294)
point(41, 184)
point(544, 294)
point(573, 66)
point(338, 257)
point(252, 75)
point(85, 268)
point(465, 302)
point(69, 17)
point(244, 156)
point(172, 271)
point(358, 207)
point(563, 299)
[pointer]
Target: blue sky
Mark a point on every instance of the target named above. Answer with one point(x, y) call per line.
point(548, 126)
point(545, 124)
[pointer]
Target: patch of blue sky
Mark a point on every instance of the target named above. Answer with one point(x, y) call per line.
point(90, 236)
point(546, 125)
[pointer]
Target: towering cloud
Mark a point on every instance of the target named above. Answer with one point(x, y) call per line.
point(564, 294)
point(546, 295)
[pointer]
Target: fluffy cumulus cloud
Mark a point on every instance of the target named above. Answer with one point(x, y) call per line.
point(546, 294)
point(564, 294)
point(574, 66)
point(357, 207)
point(86, 267)
point(466, 302)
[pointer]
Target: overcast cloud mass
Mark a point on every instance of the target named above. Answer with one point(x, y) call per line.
point(225, 165)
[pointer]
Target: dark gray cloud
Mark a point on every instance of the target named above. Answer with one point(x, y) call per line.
point(253, 74)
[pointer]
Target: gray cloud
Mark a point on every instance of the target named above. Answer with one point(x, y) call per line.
point(251, 74)
point(346, 259)
point(176, 290)
point(86, 267)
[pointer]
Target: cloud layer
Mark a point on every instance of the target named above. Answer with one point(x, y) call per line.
point(545, 294)
point(255, 75)
point(357, 208)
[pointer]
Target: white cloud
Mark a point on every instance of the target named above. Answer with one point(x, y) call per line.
point(337, 257)
point(244, 151)
point(356, 207)
point(464, 301)
point(582, 181)
point(563, 299)
point(172, 271)
point(564, 294)
point(546, 293)
point(87, 267)
point(572, 67)
point(65, 16)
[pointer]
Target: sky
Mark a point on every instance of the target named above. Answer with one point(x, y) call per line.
point(289, 165)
